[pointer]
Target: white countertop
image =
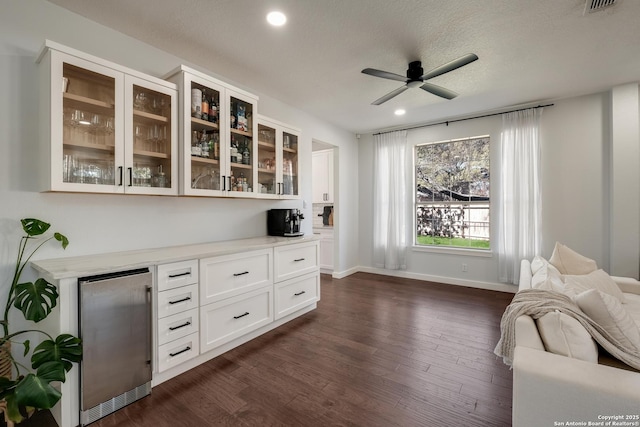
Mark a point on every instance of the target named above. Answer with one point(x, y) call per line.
point(90, 265)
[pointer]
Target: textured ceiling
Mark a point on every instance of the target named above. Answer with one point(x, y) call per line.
point(529, 50)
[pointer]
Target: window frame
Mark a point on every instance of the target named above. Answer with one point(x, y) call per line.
point(448, 249)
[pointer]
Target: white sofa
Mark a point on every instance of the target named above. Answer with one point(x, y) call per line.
point(553, 390)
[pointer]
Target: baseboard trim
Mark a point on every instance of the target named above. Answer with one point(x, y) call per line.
point(345, 273)
point(501, 287)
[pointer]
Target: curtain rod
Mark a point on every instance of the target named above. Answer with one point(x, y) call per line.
point(461, 120)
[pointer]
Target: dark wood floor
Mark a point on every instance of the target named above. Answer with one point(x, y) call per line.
point(378, 351)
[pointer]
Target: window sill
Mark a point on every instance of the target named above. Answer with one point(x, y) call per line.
point(454, 251)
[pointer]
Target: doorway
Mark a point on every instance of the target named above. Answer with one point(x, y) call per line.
point(325, 209)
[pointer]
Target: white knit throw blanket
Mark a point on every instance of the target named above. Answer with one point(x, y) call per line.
point(536, 303)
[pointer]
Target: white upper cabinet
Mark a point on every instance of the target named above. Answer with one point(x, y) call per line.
point(278, 159)
point(322, 171)
point(107, 129)
point(218, 147)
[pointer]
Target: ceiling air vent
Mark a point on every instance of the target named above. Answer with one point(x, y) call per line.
point(596, 5)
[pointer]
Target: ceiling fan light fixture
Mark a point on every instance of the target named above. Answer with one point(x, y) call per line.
point(276, 18)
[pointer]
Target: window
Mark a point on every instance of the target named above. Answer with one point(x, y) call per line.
point(452, 193)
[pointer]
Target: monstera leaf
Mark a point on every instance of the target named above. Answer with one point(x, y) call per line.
point(34, 227)
point(36, 392)
point(65, 349)
point(36, 300)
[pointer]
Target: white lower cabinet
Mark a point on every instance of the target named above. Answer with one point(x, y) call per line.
point(294, 260)
point(177, 313)
point(209, 305)
point(178, 351)
point(294, 294)
point(230, 275)
point(231, 318)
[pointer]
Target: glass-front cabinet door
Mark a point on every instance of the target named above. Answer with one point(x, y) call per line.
point(110, 129)
point(203, 152)
point(241, 179)
point(278, 147)
point(151, 138)
point(267, 183)
point(85, 124)
point(289, 163)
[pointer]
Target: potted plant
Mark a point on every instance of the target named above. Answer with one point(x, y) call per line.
point(30, 389)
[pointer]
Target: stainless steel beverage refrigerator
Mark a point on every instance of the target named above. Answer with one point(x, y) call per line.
point(115, 327)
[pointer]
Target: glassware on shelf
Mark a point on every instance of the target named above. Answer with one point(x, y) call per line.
point(140, 101)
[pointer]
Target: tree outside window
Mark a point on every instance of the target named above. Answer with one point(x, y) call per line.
point(452, 193)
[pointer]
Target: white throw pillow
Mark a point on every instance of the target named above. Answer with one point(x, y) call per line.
point(568, 261)
point(548, 278)
point(598, 280)
point(537, 263)
point(607, 312)
point(564, 335)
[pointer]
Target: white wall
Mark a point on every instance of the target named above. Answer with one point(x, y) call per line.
point(576, 146)
point(107, 223)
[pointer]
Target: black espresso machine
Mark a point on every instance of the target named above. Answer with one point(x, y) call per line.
point(284, 222)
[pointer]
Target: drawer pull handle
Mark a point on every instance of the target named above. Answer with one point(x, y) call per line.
point(180, 352)
point(240, 274)
point(246, 313)
point(299, 259)
point(299, 293)
point(173, 328)
point(173, 276)
point(180, 300)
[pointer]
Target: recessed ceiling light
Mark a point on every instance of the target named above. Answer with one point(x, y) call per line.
point(277, 19)
point(399, 112)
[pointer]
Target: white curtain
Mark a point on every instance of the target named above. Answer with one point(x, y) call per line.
point(520, 205)
point(390, 198)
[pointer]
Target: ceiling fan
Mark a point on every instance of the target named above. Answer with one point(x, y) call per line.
point(417, 78)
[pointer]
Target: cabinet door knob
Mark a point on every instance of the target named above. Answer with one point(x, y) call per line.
point(299, 293)
point(240, 274)
point(120, 173)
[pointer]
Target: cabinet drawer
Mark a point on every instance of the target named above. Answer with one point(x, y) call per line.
point(231, 318)
point(230, 275)
point(295, 260)
point(178, 351)
point(177, 274)
point(294, 294)
point(177, 300)
point(177, 326)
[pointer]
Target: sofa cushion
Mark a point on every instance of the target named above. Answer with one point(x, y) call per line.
point(599, 280)
point(564, 335)
point(610, 314)
point(567, 261)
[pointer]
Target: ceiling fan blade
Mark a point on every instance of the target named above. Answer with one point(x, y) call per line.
point(450, 66)
point(384, 74)
point(439, 91)
point(390, 95)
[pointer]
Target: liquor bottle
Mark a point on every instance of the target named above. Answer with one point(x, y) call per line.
point(204, 145)
point(205, 106)
point(234, 151)
point(213, 110)
point(214, 146)
point(196, 103)
point(196, 150)
point(246, 156)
